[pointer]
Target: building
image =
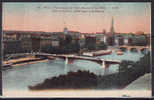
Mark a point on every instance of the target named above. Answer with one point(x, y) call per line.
point(139, 40)
point(104, 37)
point(12, 46)
point(90, 42)
point(126, 41)
point(82, 43)
point(26, 44)
point(55, 43)
point(116, 40)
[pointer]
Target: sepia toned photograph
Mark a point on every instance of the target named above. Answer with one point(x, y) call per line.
point(66, 49)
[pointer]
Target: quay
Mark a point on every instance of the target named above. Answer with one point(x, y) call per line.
point(22, 61)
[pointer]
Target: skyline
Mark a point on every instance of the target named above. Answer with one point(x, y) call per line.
point(53, 17)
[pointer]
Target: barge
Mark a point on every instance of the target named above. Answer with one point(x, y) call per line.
point(6, 66)
point(97, 53)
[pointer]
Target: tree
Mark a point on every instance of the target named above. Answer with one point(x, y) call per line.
point(124, 65)
point(144, 64)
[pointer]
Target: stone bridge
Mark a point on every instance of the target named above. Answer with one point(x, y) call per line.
point(135, 48)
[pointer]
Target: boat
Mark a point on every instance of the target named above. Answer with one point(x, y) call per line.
point(51, 58)
point(87, 54)
point(97, 53)
point(6, 66)
point(119, 53)
point(102, 52)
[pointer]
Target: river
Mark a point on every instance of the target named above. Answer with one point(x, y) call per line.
point(20, 77)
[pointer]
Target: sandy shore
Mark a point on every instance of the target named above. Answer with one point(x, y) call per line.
point(19, 59)
point(34, 60)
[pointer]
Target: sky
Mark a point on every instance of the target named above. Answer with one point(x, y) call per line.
point(82, 17)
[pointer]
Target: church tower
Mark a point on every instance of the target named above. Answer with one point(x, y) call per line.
point(111, 35)
point(65, 30)
point(112, 27)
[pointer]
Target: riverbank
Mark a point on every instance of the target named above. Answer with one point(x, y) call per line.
point(31, 62)
point(24, 61)
point(142, 83)
point(86, 79)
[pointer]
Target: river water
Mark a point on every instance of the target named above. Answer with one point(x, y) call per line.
point(20, 77)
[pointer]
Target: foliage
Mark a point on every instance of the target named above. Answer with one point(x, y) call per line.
point(144, 64)
point(80, 79)
point(124, 65)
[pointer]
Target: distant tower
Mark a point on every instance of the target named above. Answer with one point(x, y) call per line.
point(111, 37)
point(104, 31)
point(65, 30)
point(112, 27)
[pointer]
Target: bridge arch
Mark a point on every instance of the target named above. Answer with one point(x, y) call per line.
point(133, 49)
point(124, 49)
point(144, 50)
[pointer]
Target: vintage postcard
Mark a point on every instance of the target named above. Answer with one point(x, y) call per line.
point(80, 49)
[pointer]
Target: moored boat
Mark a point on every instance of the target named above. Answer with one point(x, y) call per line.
point(51, 58)
point(119, 53)
point(88, 54)
point(6, 66)
point(102, 52)
point(97, 53)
